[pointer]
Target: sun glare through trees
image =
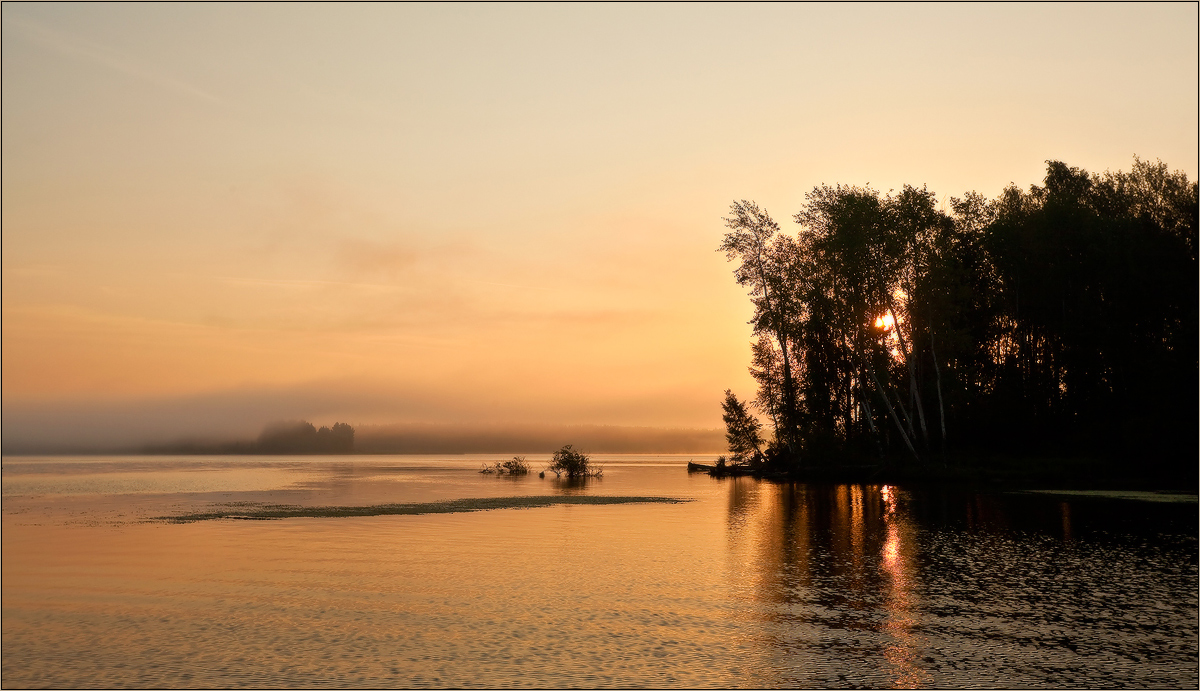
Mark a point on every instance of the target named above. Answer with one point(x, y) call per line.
point(1057, 321)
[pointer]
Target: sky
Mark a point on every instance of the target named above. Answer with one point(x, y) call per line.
point(219, 215)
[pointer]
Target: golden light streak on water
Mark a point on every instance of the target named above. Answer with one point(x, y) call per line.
point(904, 650)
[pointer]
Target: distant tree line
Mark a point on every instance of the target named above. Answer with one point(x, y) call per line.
point(304, 437)
point(298, 437)
point(532, 438)
point(891, 328)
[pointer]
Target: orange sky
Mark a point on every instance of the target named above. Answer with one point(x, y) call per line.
point(478, 212)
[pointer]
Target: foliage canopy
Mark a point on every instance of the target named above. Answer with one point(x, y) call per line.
point(574, 464)
point(1058, 320)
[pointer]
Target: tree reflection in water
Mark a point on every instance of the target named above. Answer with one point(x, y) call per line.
point(828, 568)
point(871, 585)
point(810, 562)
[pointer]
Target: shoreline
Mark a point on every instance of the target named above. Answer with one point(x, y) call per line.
point(1074, 475)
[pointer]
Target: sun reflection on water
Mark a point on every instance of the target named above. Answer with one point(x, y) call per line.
point(841, 548)
point(904, 650)
point(878, 586)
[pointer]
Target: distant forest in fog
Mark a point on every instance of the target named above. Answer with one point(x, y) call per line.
point(420, 438)
point(303, 438)
point(295, 437)
point(1055, 322)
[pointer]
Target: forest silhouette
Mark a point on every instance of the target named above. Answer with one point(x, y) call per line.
point(303, 437)
point(896, 331)
point(290, 437)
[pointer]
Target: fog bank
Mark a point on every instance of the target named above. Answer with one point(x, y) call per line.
point(424, 438)
point(387, 420)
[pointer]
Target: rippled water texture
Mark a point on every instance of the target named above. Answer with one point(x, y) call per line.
point(747, 584)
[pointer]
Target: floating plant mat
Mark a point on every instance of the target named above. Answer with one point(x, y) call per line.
point(275, 511)
point(1167, 497)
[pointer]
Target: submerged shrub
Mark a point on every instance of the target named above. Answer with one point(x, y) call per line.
point(572, 463)
point(517, 466)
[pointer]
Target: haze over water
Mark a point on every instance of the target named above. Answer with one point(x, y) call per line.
point(221, 215)
point(746, 583)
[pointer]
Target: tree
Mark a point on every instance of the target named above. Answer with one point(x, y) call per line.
point(741, 430)
point(751, 242)
point(572, 463)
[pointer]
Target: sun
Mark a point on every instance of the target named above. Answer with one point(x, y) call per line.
point(885, 322)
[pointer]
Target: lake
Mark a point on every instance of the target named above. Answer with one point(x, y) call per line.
point(740, 583)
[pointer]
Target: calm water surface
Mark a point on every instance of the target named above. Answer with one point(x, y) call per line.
point(748, 584)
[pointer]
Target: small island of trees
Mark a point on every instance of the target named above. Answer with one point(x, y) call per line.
point(295, 437)
point(893, 330)
point(304, 437)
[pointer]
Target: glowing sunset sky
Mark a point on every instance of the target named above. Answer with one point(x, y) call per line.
point(239, 213)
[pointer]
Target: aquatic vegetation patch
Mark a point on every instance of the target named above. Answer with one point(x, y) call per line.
point(517, 466)
point(572, 463)
point(266, 512)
